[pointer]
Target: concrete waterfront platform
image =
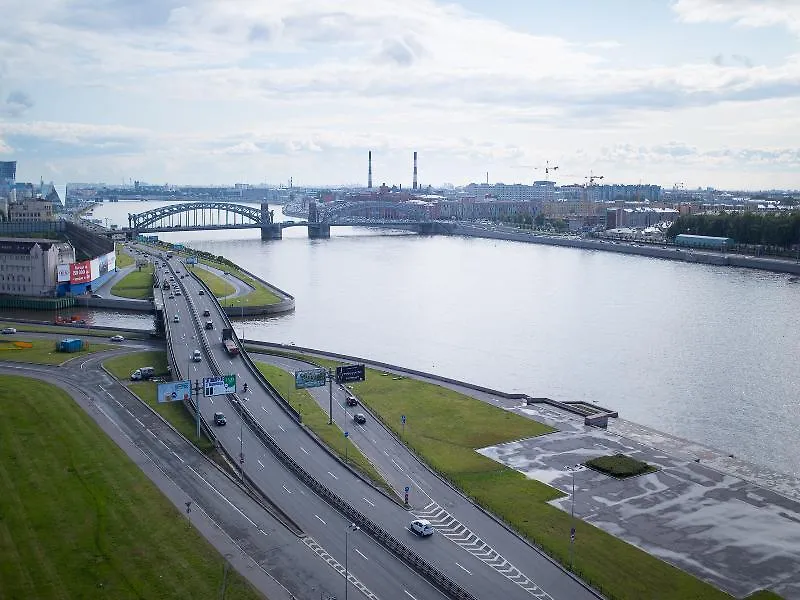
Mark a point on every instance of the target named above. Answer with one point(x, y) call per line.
point(732, 529)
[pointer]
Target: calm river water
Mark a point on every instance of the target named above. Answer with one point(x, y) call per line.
point(706, 353)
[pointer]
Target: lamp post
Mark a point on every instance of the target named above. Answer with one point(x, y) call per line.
point(351, 527)
point(572, 470)
point(241, 438)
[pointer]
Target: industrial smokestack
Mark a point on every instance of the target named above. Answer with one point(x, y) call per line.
point(415, 171)
point(369, 172)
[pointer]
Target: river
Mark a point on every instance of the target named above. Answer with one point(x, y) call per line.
point(702, 352)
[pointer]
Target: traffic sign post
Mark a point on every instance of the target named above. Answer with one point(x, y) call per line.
point(346, 436)
point(403, 421)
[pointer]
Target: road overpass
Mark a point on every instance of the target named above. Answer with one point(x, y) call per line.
point(270, 437)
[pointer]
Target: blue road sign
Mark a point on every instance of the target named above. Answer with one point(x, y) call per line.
point(407, 489)
point(403, 419)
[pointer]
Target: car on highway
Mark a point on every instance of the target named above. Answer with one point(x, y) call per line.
point(201, 293)
point(178, 293)
point(116, 338)
point(196, 356)
point(421, 527)
point(206, 313)
point(209, 324)
point(359, 418)
point(219, 419)
point(9, 330)
point(172, 296)
point(96, 296)
point(351, 401)
point(176, 319)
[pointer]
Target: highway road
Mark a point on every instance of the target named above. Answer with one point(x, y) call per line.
point(507, 569)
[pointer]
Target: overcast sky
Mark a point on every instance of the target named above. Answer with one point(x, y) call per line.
point(699, 92)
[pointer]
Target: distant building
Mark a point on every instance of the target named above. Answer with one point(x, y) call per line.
point(29, 266)
point(31, 210)
point(8, 172)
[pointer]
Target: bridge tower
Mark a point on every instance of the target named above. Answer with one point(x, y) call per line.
point(269, 230)
point(316, 228)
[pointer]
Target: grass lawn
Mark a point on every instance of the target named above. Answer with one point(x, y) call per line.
point(620, 466)
point(173, 412)
point(123, 258)
point(42, 352)
point(137, 284)
point(316, 420)
point(80, 520)
point(445, 427)
point(260, 296)
point(218, 286)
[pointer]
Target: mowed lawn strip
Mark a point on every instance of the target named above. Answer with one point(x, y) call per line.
point(174, 413)
point(42, 352)
point(444, 427)
point(137, 284)
point(123, 259)
point(316, 420)
point(259, 296)
point(218, 286)
point(80, 520)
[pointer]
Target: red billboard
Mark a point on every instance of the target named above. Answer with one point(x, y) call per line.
point(80, 272)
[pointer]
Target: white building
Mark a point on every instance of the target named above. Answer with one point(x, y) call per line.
point(29, 266)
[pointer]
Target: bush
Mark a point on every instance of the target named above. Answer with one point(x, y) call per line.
point(620, 466)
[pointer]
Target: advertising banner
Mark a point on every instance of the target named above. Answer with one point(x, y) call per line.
point(106, 263)
point(80, 272)
point(94, 268)
point(174, 391)
point(219, 386)
point(63, 273)
point(309, 379)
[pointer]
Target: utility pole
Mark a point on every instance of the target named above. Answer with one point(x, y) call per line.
point(330, 396)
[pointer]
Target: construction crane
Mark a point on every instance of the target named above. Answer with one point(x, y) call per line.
point(547, 168)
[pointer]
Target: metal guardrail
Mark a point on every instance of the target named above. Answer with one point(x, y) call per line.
point(388, 541)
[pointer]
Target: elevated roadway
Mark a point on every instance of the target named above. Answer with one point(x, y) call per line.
point(483, 574)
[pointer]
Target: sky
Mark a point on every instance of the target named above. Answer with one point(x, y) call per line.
point(690, 93)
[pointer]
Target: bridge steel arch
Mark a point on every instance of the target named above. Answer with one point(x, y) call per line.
point(375, 209)
point(144, 220)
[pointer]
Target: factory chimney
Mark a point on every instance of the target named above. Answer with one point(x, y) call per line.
point(369, 172)
point(415, 171)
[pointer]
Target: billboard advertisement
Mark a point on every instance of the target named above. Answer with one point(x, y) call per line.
point(80, 272)
point(63, 273)
point(310, 378)
point(174, 391)
point(102, 265)
point(219, 386)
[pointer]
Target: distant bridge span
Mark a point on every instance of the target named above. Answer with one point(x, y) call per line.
point(204, 216)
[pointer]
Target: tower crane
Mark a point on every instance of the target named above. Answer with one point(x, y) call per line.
point(547, 168)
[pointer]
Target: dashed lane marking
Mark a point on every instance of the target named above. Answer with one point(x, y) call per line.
point(339, 568)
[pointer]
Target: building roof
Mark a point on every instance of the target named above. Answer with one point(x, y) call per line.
point(25, 245)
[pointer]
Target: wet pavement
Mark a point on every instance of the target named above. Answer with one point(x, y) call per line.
point(730, 523)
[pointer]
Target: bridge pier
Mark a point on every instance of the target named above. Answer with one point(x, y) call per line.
point(319, 231)
point(273, 231)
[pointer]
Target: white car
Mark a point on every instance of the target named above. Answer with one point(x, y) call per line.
point(116, 338)
point(177, 319)
point(9, 330)
point(421, 527)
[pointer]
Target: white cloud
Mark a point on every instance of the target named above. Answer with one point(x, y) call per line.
point(749, 13)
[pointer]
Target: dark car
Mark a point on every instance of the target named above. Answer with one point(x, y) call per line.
point(96, 296)
point(359, 418)
point(219, 419)
point(201, 293)
point(351, 401)
point(206, 313)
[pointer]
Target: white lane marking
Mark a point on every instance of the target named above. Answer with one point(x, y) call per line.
point(362, 555)
point(262, 464)
point(163, 443)
point(410, 595)
point(127, 410)
point(368, 502)
point(139, 422)
point(265, 410)
point(151, 433)
point(386, 453)
point(458, 565)
point(399, 468)
point(320, 518)
point(119, 403)
point(303, 449)
point(288, 491)
point(178, 457)
point(238, 439)
point(281, 428)
point(211, 400)
point(332, 475)
point(221, 495)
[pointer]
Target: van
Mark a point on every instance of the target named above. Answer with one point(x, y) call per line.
point(143, 373)
point(196, 357)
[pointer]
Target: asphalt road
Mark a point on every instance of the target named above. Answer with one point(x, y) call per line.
point(475, 568)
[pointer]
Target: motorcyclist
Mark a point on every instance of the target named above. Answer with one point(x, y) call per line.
point(244, 388)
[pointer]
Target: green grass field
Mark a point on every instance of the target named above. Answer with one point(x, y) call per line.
point(445, 427)
point(121, 367)
point(78, 519)
point(42, 352)
point(123, 258)
point(316, 420)
point(136, 284)
point(218, 286)
point(260, 296)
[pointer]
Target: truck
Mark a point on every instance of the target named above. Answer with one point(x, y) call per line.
point(143, 373)
point(227, 340)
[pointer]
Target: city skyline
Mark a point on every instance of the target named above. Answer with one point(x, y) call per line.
point(696, 92)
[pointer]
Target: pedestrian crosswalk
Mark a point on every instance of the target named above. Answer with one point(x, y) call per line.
point(456, 532)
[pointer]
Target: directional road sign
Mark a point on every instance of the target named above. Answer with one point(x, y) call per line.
point(350, 373)
point(219, 386)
